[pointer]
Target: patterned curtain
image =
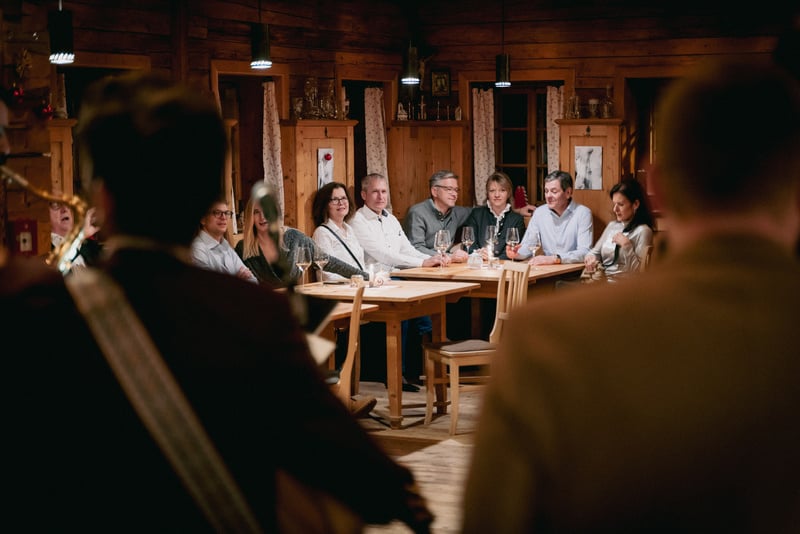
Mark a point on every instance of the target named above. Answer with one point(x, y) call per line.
point(555, 110)
point(273, 171)
point(375, 129)
point(482, 140)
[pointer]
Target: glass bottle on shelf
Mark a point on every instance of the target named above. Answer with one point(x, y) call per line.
point(607, 105)
point(311, 103)
point(573, 110)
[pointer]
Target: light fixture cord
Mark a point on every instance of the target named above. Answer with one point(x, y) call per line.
point(503, 27)
point(259, 11)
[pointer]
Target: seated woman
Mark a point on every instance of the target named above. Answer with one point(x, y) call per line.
point(273, 263)
point(498, 213)
point(623, 245)
point(331, 208)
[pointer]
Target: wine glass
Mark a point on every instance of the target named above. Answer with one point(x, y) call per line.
point(441, 243)
point(512, 237)
point(468, 237)
point(490, 238)
point(321, 259)
point(534, 246)
point(302, 259)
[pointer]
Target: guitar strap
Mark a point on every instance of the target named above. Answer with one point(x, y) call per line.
point(159, 401)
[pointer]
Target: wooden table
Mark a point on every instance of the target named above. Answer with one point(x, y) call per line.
point(542, 278)
point(398, 301)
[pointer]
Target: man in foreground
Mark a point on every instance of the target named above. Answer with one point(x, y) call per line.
point(77, 453)
point(675, 409)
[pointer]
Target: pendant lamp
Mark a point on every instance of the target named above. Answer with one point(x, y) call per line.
point(503, 60)
point(59, 26)
point(259, 43)
point(411, 72)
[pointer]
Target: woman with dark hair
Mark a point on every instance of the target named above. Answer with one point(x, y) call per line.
point(624, 243)
point(331, 209)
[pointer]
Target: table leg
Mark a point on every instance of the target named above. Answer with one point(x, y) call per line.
point(394, 372)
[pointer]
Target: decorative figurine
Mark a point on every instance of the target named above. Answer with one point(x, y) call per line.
point(401, 112)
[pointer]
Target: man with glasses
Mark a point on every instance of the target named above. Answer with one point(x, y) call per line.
point(439, 212)
point(211, 250)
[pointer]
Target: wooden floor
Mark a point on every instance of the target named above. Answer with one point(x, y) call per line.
point(439, 461)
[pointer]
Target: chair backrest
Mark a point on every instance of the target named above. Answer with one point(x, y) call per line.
point(645, 264)
point(512, 292)
point(353, 336)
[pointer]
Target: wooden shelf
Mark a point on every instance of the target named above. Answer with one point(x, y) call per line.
point(435, 123)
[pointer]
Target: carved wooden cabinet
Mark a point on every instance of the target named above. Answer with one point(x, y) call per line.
point(301, 144)
point(590, 152)
point(416, 150)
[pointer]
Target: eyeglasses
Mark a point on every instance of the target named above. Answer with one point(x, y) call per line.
point(55, 206)
point(448, 188)
point(220, 213)
point(340, 200)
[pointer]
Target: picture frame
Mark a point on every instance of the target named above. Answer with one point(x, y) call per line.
point(440, 82)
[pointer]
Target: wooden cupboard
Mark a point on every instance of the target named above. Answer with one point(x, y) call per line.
point(301, 144)
point(589, 147)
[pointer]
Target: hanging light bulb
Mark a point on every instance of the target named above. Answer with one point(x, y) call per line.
point(503, 60)
point(411, 72)
point(259, 42)
point(59, 26)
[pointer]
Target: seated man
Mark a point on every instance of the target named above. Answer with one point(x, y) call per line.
point(62, 221)
point(211, 250)
point(439, 212)
point(564, 230)
point(381, 236)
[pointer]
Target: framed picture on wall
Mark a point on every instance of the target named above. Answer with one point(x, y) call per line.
point(440, 82)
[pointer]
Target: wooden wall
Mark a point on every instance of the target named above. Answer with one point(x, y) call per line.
point(365, 39)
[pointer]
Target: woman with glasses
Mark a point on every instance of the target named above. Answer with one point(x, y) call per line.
point(331, 209)
point(211, 249)
point(274, 263)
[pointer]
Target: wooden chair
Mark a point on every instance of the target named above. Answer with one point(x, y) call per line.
point(343, 388)
point(648, 254)
point(443, 361)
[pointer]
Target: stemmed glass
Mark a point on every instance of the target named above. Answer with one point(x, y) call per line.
point(490, 238)
point(321, 259)
point(534, 246)
point(302, 259)
point(512, 237)
point(467, 237)
point(441, 243)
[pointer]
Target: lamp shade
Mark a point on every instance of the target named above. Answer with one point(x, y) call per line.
point(411, 72)
point(59, 26)
point(503, 78)
point(259, 41)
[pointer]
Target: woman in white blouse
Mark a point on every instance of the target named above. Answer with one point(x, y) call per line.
point(331, 208)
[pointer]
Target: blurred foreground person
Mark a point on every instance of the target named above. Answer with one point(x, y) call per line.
point(78, 456)
point(676, 408)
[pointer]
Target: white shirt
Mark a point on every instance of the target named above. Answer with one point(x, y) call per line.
point(215, 255)
point(328, 242)
point(383, 240)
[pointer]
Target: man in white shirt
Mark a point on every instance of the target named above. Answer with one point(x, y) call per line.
point(380, 233)
point(383, 240)
point(211, 250)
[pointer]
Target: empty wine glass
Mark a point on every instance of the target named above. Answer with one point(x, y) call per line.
point(534, 246)
point(441, 243)
point(321, 259)
point(467, 237)
point(512, 237)
point(302, 259)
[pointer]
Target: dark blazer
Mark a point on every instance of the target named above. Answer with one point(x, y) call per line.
point(76, 453)
point(664, 403)
point(481, 217)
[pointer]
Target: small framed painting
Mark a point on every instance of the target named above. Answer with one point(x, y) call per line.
point(440, 82)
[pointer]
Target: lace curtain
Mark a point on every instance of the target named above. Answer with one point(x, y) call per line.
point(375, 129)
point(271, 140)
point(555, 110)
point(482, 140)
